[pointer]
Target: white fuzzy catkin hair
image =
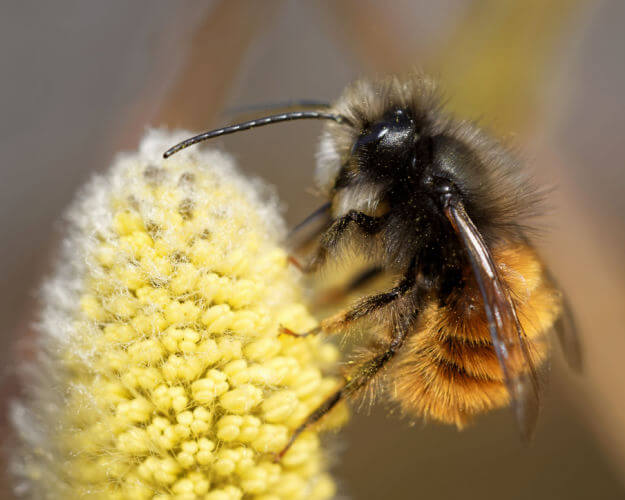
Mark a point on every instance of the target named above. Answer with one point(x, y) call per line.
point(160, 372)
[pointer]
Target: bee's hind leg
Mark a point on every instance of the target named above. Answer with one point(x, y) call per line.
point(354, 381)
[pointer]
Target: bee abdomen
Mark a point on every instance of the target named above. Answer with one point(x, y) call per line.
point(448, 370)
point(449, 379)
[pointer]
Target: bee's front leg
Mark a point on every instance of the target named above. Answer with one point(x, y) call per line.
point(331, 237)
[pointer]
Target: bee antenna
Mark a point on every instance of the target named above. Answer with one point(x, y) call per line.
point(282, 106)
point(258, 122)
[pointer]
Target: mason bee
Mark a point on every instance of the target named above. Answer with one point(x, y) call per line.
point(442, 206)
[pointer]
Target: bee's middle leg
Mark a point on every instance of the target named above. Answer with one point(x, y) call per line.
point(363, 307)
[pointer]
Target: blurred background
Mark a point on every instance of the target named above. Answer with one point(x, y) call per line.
point(83, 80)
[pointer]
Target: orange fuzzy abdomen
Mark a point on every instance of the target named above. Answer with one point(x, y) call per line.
point(448, 370)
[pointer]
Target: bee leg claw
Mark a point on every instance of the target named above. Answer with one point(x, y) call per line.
point(283, 330)
point(302, 268)
point(308, 267)
point(277, 457)
point(292, 260)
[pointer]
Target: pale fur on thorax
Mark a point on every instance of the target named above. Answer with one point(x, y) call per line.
point(363, 198)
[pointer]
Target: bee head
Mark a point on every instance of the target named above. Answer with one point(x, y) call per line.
point(386, 143)
point(384, 121)
point(395, 131)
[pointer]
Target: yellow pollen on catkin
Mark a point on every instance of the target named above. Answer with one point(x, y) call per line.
point(163, 374)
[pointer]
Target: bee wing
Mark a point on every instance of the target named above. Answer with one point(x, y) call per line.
point(567, 332)
point(568, 337)
point(506, 333)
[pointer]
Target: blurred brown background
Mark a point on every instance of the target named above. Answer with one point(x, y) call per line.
point(82, 80)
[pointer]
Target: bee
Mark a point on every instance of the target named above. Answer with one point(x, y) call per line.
point(440, 205)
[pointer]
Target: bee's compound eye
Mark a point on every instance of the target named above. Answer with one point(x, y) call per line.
point(374, 135)
point(379, 131)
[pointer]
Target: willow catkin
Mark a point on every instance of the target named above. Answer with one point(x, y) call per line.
point(161, 373)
